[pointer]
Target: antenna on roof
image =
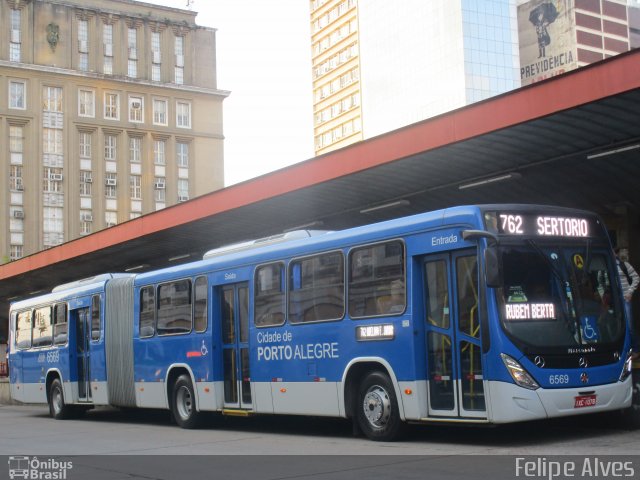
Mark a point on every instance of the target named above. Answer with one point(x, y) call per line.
point(190, 4)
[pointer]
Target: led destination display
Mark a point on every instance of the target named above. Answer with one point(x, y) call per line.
point(544, 225)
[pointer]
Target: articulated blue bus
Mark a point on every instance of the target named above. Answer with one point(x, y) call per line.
point(476, 314)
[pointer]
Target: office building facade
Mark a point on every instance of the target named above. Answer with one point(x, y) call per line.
point(109, 109)
point(561, 35)
point(378, 66)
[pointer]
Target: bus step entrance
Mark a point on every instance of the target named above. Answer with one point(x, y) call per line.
point(236, 412)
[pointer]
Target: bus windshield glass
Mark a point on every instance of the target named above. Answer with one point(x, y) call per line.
point(559, 296)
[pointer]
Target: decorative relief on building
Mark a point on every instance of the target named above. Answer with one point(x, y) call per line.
point(53, 35)
point(85, 15)
point(18, 4)
point(109, 18)
point(133, 22)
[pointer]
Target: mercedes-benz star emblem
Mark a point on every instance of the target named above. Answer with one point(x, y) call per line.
point(539, 361)
point(582, 362)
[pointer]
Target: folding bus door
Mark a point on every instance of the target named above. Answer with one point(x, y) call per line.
point(82, 320)
point(454, 355)
point(234, 303)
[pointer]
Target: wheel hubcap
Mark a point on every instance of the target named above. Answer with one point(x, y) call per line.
point(184, 402)
point(377, 406)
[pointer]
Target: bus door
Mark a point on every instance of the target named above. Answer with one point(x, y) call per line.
point(82, 317)
point(234, 303)
point(454, 353)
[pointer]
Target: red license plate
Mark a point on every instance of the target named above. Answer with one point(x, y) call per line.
point(585, 401)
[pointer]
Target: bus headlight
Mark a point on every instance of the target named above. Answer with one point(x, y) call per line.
point(518, 373)
point(627, 367)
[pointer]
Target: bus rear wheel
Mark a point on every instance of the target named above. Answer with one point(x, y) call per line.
point(57, 408)
point(377, 410)
point(183, 406)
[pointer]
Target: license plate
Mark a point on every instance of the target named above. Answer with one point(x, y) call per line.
point(585, 401)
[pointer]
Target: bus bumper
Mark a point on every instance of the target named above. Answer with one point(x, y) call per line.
point(513, 404)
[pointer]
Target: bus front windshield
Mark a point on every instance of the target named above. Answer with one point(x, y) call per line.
point(559, 297)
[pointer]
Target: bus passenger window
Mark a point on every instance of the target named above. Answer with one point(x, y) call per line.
point(316, 288)
point(60, 324)
point(23, 330)
point(147, 312)
point(377, 280)
point(174, 308)
point(42, 328)
point(200, 304)
point(269, 295)
point(95, 317)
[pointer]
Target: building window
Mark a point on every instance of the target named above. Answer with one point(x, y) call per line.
point(17, 95)
point(156, 57)
point(111, 219)
point(52, 99)
point(107, 39)
point(111, 185)
point(136, 109)
point(179, 75)
point(183, 115)
point(52, 180)
point(16, 144)
point(16, 252)
point(53, 226)
point(86, 103)
point(132, 44)
point(83, 45)
point(15, 34)
point(182, 154)
point(160, 108)
point(179, 69)
point(86, 180)
point(135, 186)
point(135, 149)
point(85, 145)
point(85, 226)
point(155, 73)
point(15, 178)
point(111, 106)
point(110, 147)
point(52, 141)
point(183, 190)
point(159, 152)
point(159, 189)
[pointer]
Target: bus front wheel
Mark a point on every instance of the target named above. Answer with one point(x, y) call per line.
point(377, 409)
point(184, 404)
point(57, 408)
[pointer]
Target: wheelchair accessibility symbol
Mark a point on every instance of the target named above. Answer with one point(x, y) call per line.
point(589, 329)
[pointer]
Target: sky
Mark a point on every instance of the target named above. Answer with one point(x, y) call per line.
point(264, 60)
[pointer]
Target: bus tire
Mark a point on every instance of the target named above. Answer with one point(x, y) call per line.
point(183, 405)
point(377, 410)
point(58, 409)
point(631, 415)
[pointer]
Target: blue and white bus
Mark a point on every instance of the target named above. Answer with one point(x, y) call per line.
point(474, 314)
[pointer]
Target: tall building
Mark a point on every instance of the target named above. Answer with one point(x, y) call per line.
point(109, 109)
point(561, 35)
point(380, 65)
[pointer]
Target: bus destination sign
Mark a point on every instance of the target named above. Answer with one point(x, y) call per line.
point(543, 225)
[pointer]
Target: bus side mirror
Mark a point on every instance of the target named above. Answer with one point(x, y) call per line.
point(493, 267)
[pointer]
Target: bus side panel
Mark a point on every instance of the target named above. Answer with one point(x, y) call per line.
point(156, 355)
point(34, 371)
